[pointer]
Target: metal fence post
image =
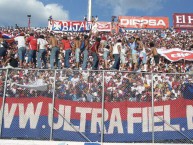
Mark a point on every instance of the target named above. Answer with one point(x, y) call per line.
point(52, 113)
point(152, 110)
point(3, 102)
point(103, 101)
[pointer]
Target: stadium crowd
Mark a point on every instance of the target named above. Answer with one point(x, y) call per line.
point(79, 58)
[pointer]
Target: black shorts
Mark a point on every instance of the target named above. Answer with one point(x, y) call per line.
point(156, 59)
point(3, 52)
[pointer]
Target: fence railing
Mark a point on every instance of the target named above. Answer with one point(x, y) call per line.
point(96, 106)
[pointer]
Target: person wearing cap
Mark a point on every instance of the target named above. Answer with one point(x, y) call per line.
point(21, 45)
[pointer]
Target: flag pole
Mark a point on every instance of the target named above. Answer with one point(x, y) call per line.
point(89, 10)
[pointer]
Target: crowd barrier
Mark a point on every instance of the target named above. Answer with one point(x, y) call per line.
point(96, 106)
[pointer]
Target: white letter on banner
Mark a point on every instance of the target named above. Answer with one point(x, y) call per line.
point(145, 119)
point(152, 22)
point(156, 118)
point(167, 118)
point(115, 121)
point(180, 19)
point(189, 114)
point(131, 119)
point(60, 119)
point(65, 26)
point(9, 115)
point(29, 114)
point(82, 26)
point(136, 22)
point(83, 112)
point(96, 121)
point(161, 23)
point(67, 116)
point(75, 27)
point(190, 19)
point(124, 22)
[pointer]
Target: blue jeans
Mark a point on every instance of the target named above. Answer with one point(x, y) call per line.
point(117, 61)
point(32, 56)
point(21, 53)
point(77, 54)
point(42, 56)
point(67, 58)
point(85, 59)
point(54, 57)
point(95, 61)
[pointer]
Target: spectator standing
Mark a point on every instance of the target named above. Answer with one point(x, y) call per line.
point(54, 51)
point(66, 46)
point(32, 42)
point(77, 45)
point(85, 52)
point(134, 52)
point(142, 54)
point(42, 50)
point(21, 45)
point(94, 50)
point(116, 54)
point(154, 53)
point(3, 48)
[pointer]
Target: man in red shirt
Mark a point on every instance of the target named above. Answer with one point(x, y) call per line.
point(32, 42)
point(94, 50)
point(68, 50)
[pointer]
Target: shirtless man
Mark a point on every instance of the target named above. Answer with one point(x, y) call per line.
point(154, 53)
point(77, 44)
point(85, 52)
point(54, 51)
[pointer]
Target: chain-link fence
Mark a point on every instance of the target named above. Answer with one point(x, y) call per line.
point(96, 106)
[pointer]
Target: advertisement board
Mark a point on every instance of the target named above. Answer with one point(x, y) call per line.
point(123, 121)
point(183, 20)
point(144, 22)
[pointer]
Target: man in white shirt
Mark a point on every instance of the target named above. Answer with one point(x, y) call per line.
point(116, 54)
point(42, 48)
point(21, 44)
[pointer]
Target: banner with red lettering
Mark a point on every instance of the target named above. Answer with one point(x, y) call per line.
point(183, 20)
point(176, 54)
point(31, 118)
point(102, 26)
point(144, 22)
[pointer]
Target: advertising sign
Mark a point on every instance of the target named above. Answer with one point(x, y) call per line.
point(183, 20)
point(144, 22)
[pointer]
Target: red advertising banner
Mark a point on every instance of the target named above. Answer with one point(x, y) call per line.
point(144, 22)
point(183, 20)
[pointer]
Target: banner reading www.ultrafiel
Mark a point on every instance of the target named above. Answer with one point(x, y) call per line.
point(31, 118)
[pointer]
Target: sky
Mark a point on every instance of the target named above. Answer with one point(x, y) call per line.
point(15, 11)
